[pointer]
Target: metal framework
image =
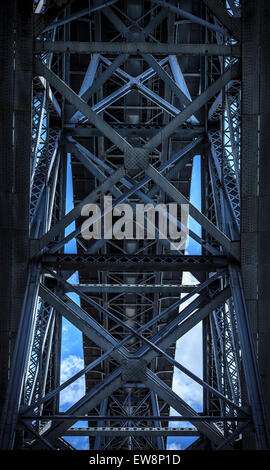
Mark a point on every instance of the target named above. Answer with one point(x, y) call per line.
point(129, 92)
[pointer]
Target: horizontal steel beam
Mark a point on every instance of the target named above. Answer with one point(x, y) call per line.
point(125, 130)
point(78, 47)
point(145, 288)
point(135, 263)
point(131, 431)
point(67, 417)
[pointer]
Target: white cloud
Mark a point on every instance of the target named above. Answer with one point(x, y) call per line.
point(70, 395)
point(70, 365)
point(174, 446)
point(188, 390)
point(189, 279)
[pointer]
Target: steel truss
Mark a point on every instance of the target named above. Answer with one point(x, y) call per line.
point(133, 91)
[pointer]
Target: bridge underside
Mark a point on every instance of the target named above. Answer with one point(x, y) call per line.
point(134, 103)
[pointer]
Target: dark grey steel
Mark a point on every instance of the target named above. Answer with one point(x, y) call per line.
point(124, 99)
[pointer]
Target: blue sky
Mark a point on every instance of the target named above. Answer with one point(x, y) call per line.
point(188, 348)
point(72, 347)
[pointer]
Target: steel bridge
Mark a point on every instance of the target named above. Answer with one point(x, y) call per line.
point(124, 95)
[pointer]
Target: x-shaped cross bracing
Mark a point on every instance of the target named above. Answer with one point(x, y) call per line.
point(169, 334)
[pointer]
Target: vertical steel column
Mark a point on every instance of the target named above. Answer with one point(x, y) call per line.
point(255, 173)
point(16, 56)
